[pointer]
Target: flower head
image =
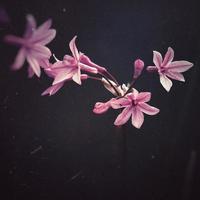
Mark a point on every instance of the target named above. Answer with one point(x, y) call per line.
point(32, 45)
point(134, 105)
point(168, 69)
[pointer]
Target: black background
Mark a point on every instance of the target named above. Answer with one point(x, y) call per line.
point(56, 148)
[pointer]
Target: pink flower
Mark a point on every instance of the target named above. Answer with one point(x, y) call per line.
point(60, 71)
point(32, 45)
point(134, 105)
point(168, 69)
point(80, 62)
point(138, 67)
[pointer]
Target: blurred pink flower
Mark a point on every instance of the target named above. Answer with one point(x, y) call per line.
point(134, 105)
point(168, 69)
point(32, 45)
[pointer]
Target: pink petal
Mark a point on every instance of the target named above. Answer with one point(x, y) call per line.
point(147, 109)
point(101, 107)
point(144, 97)
point(77, 77)
point(120, 103)
point(30, 26)
point(176, 76)
point(40, 51)
point(42, 29)
point(166, 82)
point(86, 60)
point(63, 76)
point(34, 65)
point(73, 48)
point(53, 89)
point(45, 38)
point(157, 59)
point(137, 118)
point(19, 60)
point(87, 68)
point(168, 57)
point(124, 116)
point(180, 66)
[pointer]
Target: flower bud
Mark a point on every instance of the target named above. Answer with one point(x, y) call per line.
point(138, 67)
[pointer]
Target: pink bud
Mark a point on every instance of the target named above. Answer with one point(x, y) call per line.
point(138, 67)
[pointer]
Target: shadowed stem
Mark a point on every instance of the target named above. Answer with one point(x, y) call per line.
point(110, 83)
point(112, 77)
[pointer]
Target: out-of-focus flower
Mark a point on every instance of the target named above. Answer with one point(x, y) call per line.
point(168, 69)
point(134, 105)
point(32, 45)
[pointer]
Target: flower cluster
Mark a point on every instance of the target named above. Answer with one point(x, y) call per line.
point(78, 67)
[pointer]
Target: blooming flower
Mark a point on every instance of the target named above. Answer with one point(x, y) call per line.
point(134, 105)
point(80, 62)
point(60, 71)
point(168, 69)
point(32, 45)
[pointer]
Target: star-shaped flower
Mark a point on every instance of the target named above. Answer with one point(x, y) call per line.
point(134, 105)
point(32, 45)
point(168, 69)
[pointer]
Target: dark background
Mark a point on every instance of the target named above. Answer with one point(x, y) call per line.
point(56, 148)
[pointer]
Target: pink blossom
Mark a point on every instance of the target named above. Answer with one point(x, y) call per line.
point(168, 69)
point(134, 105)
point(80, 62)
point(32, 45)
point(138, 67)
point(61, 72)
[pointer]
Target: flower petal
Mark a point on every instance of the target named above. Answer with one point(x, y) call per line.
point(144, 97)
point(157, 59)
point(88, 68)
point(180, 66)
point(53, 89)
point(77, 77)
point(147, 109)
point(166, 82)
point(39, 51)
point(176, 76)
point(86, 60)
point(63, 76)
point(168, 57)
point(137, 118)
point(120, 103)
point(42, 29)
point(45, 38)
point(101, 107)
point(124, 116)
point(30, 26)
point(73, 48)
point(34, 65)
point(19, 60)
